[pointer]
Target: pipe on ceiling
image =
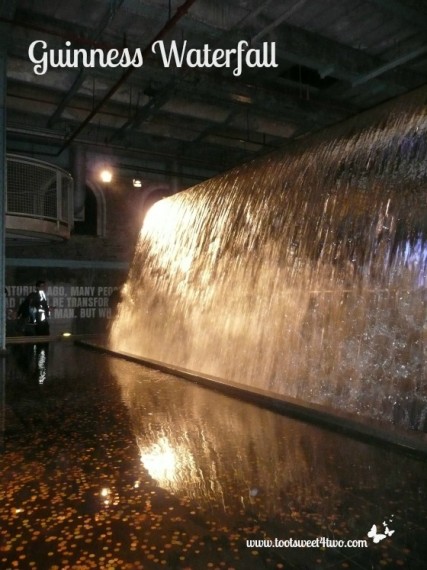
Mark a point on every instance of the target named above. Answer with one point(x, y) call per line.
point(197, 162)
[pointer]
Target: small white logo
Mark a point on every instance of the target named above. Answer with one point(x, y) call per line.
point(379, 536)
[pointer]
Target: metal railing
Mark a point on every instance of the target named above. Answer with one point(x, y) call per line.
point(39, 190)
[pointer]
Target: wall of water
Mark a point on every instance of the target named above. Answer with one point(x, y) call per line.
point(302, 273)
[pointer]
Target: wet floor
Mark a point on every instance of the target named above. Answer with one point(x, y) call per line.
point(105, 464)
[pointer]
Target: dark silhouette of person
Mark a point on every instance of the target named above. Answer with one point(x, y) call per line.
point(34, 312)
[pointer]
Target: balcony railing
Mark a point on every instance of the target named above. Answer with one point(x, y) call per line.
point(39, 199)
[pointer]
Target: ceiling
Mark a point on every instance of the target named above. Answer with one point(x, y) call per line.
point(335, 58)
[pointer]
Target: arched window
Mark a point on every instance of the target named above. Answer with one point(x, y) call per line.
point(94, 218)
point(88, 226)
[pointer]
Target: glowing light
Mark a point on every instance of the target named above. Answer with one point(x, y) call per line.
point(162, 222)
point(162, 213)
point(66, 334)
point(106, 175)
point(137, 183)
point(160, 461)
point(105, 493)
point(41, 364)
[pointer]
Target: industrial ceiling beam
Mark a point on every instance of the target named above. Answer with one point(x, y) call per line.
point(390, 65)
point(180, 13)
point(346, 63)
point(220, 93)
point(402, 11)
point(275, 23)
point(154, 148)
point(153, 105)
point(165, 93)
point(82, 74)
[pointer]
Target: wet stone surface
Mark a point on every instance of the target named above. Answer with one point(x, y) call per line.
point(105, 464)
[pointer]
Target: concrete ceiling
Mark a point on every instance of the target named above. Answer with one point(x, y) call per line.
point(335, 59)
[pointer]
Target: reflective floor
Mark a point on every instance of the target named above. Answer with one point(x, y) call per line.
point(106, 464)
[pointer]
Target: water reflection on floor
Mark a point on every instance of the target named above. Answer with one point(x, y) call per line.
point(106, 464)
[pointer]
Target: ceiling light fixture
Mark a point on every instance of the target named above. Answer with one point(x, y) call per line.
point(106, 175)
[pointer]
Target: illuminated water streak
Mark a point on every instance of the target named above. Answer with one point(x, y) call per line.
point(302, 273)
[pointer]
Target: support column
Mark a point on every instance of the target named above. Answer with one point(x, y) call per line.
point(2, 401)
point(79, 175)
point(7, 10)
point(3, 187)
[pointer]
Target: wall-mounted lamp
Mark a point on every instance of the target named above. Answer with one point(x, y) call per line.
point(137, 182)
point(106, 175)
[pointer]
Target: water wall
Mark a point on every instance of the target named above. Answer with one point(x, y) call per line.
point(302, 273)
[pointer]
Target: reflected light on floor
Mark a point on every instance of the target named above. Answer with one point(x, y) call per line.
point(41, 364)
point(160, 461)
point(105, 494)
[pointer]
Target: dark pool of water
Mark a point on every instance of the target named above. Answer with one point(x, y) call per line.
point(107, 464)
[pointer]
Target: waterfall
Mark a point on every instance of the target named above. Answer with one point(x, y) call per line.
point(302, 273)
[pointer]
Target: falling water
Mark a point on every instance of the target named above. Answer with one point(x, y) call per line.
point(302, 273)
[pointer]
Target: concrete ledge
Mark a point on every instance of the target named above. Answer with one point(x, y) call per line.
point(369, 431)
point(34, 339)
point(26, 226)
